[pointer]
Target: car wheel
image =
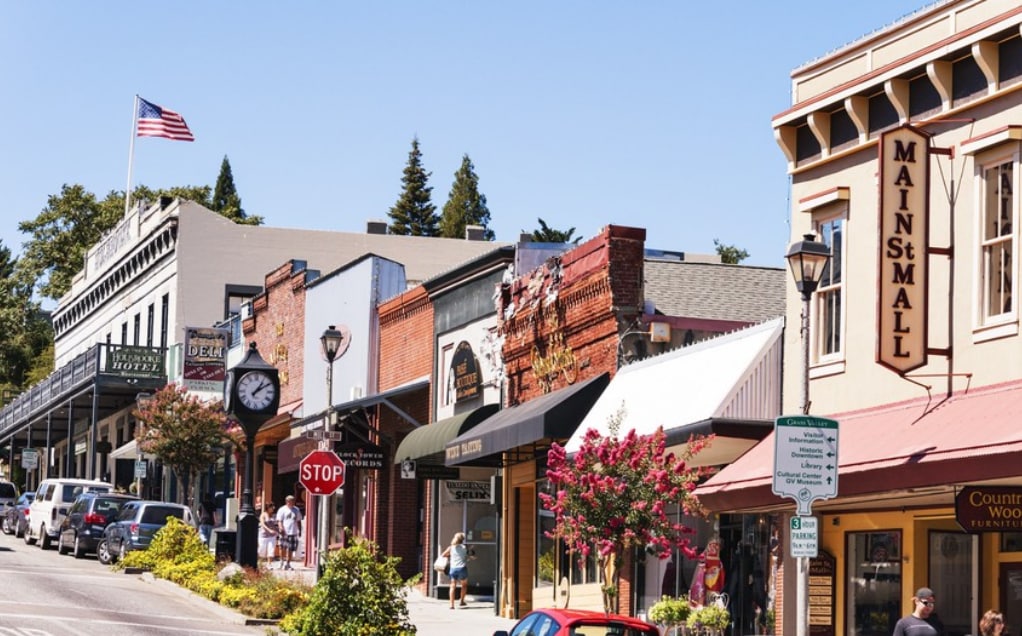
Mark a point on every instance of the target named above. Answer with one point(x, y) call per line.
point(27, 535)
point(7, 526)
point(79, 549)
point(44, 539)
point(124, 550)
point(60, 544)
point(19, 530)
point(103, 552)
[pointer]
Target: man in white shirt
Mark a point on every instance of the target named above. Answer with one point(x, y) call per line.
point(289, 520)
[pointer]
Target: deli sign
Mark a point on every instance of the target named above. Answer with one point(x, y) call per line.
point(904, 237)
point(989, 509)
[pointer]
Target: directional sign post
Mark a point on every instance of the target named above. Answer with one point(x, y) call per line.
point(805, 459)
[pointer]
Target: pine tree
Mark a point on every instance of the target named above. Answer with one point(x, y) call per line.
point(465, 204)
point(226, 200)
point(414, 214)
point(546, 234)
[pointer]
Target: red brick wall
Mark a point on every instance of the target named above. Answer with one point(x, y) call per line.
point(406, 353)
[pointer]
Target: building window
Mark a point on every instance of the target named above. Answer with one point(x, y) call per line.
point(873, 587)
point(829, 312)
point(150, 325)
point(124, 333)
point(997, 245)
point(164, 320)
point(138, 329)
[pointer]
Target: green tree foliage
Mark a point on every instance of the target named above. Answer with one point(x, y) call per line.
point(414, 214)
point(71, 222)
point(226, 200)
point(183, 432)
point(730, 254)
point(615, 495)
point(546, 234)
point(465, 204)
point(24, 329)
point(360, 594)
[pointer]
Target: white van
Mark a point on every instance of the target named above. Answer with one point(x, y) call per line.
point(53, 499)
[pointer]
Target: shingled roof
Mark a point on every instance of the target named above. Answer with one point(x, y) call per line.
point(715, 291)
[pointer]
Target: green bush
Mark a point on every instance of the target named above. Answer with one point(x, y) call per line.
point(670, 611)
point(711, 619)
point(359, 594)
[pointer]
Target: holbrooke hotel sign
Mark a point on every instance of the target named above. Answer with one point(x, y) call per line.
point(904, 238)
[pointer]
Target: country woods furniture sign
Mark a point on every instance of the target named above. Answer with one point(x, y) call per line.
point(989, 509)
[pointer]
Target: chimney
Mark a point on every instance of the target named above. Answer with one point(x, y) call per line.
point(376, 227)
point(474, 232)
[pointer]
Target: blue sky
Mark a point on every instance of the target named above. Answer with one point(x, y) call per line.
point(653, 114)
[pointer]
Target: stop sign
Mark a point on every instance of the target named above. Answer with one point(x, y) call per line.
point(321, 472)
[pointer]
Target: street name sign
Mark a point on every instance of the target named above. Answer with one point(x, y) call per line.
point(805, 459)
point(804, 537)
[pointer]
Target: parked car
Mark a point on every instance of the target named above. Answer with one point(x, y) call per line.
point(53, 498)
point(135, 525)
point(567, 622)
point(90, 514)
point(15, 519)
point(8, 495)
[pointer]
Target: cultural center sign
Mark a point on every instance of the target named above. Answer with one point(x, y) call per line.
point(904, 238)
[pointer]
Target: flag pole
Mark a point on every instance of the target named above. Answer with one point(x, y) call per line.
point(131, 156)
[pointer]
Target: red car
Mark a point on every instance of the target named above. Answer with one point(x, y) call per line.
point(568, 622)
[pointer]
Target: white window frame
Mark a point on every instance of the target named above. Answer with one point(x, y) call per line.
point(988, 326)
point(828, 363)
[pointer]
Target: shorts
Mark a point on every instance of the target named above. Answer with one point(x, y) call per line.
point(268, 547)
point(289, 543)
point(459, 574)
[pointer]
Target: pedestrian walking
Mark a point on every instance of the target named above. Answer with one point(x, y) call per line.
point(458, 555)
point(916, 623)
point(268, 531)
point(289, 520)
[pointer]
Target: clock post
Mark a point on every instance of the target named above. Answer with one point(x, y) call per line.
point(251, 396)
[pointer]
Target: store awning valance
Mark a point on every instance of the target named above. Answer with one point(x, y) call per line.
point(904, 450)
point(553, 416)
point(426, 443)
point(128, 450)
point(728, 386)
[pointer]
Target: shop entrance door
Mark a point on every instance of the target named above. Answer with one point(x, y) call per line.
point(1011, 593)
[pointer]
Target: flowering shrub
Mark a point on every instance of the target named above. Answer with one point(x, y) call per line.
point(613, 495)
point(670, 612)
point(710, 620)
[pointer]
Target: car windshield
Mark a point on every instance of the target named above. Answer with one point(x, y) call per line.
point(108, 507)
point(159, 514)
point(8, 491)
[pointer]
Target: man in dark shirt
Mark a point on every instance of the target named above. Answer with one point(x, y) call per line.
point(917, 623)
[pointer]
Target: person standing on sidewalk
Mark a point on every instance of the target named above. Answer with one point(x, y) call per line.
point(458, 555)
point(289, 519)
point(268, 534)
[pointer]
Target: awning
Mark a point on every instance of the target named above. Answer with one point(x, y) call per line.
point(128, 450)
point(291, 451)
point(426, 443)
point(383, 397)
point(903, 450)
point(552, 416)
point(729, 386)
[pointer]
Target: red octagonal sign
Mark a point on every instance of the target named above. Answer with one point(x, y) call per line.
point(321, 472)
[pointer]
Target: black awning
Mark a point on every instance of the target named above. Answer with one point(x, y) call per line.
point(426, 443)
point(553, 416)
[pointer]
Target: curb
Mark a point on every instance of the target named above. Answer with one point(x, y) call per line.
point(227, 614)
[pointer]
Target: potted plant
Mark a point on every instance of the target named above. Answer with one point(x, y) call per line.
point(670, 613)
point(710, 620)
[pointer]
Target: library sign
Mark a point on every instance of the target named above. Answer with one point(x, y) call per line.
point(904, 238)
point(989, 509)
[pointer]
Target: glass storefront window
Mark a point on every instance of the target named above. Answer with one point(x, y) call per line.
point(465, 507)
point(874, 582)
point(553, 561)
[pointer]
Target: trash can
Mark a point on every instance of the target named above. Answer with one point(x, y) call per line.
point(226, 541)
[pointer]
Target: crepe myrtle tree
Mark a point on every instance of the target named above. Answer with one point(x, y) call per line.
point(613, 495)
point(184, 432)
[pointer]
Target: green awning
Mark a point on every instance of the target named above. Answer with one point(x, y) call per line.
point(426, 444)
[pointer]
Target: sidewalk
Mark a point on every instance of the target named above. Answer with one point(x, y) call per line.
point(431, 616)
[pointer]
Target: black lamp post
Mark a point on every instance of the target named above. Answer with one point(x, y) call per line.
point(252, 396)
point(808, 260)
point(330, 343)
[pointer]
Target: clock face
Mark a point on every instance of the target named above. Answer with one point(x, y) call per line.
point(256, 390)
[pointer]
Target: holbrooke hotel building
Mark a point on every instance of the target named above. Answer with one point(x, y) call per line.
point(904, 155)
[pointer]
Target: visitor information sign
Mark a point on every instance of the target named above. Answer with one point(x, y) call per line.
point(805, 459)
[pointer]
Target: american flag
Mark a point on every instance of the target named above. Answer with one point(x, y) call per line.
point(155, 121)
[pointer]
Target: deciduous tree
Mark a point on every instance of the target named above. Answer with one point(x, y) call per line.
point(616, 495)
point(465, 204)
point(184, 432)
point(414, 214)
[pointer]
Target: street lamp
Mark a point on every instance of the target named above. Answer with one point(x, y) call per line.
point(330, 343)
point(808, 260)
point(142, 400)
